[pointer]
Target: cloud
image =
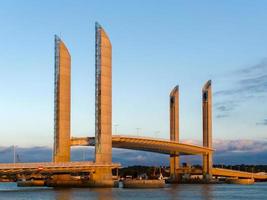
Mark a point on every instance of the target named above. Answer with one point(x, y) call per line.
point(222, 116)
point(250, 83)
point(257, 68)
point(249, 87)
point(254, 146)
point(234, 145)
point(226, 152)
point(224, 109)
point(264, 122)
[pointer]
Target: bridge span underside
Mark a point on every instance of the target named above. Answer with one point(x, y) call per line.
point(146, 144)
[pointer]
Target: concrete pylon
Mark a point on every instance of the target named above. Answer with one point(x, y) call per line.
point(207, 128)
point(103, 127)
point(174, 131)
point(103, 107)
point(62, 100)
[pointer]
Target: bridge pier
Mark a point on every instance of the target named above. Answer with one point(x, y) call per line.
point(99, 177)
point(61, 152)
point(207, 129)
point(174, 133)
point(102, 177)
point(103, 109)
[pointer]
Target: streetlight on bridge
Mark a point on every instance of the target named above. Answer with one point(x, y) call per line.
point(137, 131)
point(14, 154)
point(157, 133)
point(116, 128)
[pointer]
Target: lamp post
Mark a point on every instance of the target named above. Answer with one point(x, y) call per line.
point(14, 154)
point(156, 133)
point(116, 128)
point(137, 131)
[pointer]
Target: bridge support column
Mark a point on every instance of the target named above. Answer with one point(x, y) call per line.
point(174, 133)
point(207, 129)
point(103, 112)
point(61, 151)
point(102, 177)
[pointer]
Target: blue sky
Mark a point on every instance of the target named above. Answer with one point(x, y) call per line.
point(156, 45)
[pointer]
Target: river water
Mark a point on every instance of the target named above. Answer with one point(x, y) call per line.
point(257, 191)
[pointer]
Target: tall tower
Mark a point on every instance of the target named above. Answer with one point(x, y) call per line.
point(207, 127)
point(174, 130)
point(62, 102)
point(103, 97)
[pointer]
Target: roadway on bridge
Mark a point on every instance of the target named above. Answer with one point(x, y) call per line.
point(51, 167)
point(146, 144)
point(79, 167)
point(236, 173)
point(220, 172)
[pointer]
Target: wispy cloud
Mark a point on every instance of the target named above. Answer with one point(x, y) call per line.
point(263, 122)
point(226, 151)
point(240, 146)
point(224, 108)
point(250, 82)
point(235, 145)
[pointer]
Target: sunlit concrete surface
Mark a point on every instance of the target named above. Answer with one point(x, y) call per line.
point(62, 102)
point(52, 167)
point(174, 129)
point(145, 144)
point(207, 127)
point(103, 130)
point(103, 106)
point(220, 172)
point(236, 173)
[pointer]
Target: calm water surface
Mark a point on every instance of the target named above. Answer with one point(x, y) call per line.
point(257, 191)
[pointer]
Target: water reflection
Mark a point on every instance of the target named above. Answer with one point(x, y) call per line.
point(174, 191)
point(63, 194)
point(206, 191)
point(104, 193)
point(189, 191)
point(84, 193)
point(171, 192)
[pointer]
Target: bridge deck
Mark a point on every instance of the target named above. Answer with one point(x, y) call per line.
point(146, 144)
point(239, 174)
point(126, 142)
point(51, 167)
point(224, 173)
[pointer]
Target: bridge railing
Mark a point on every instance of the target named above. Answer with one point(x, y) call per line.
point(52, 165)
